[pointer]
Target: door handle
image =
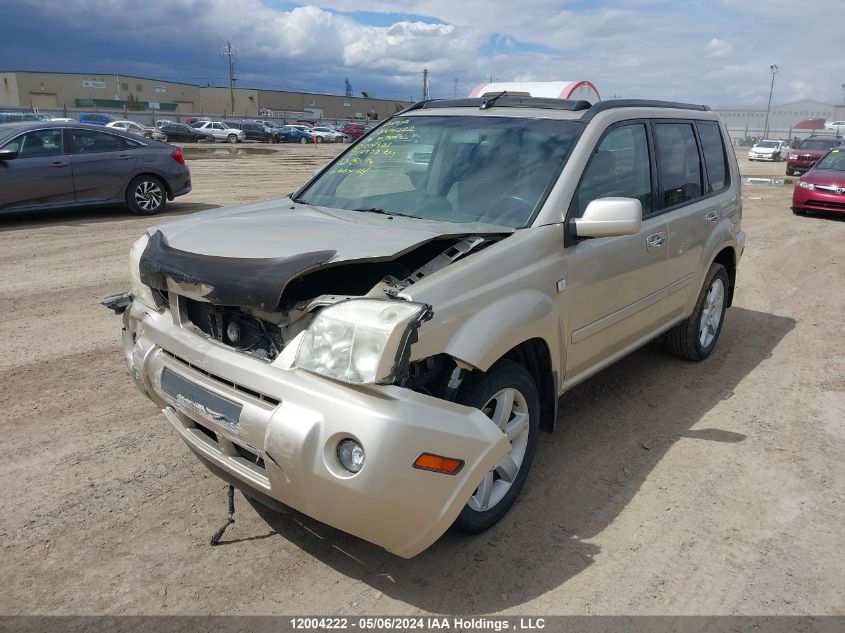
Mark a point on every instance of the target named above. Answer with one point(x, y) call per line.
point(656, 240)
point(125, 156)
point(712, 217)
point(59, 163)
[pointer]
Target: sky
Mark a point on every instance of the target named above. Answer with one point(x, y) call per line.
point(716, 52)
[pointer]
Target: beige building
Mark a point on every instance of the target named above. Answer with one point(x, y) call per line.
point(75, 91)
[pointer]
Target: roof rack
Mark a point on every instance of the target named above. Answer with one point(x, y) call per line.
point(601, 106)
point(503, 101)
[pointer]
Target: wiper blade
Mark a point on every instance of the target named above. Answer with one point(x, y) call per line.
point(385, 212)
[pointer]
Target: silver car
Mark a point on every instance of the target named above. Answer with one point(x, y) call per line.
point(383, 352)
point(221, 131)
point(136, 128)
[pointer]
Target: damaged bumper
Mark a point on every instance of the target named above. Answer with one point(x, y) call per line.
point(274, 432)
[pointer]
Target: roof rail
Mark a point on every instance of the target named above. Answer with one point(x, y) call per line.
point(601, 106)
point(502, 101)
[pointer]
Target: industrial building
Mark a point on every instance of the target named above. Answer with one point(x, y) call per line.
point(796, 118)
point(75, 92)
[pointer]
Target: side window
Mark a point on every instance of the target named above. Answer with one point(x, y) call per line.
point(91, 142)
point(37, 144)
point(714, 155)
point(678, 162)
point(619, 167)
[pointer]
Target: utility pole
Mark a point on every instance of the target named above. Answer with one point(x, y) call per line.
point(774, 70)
point(425, 96)
point(230, 55)
point(455, 95)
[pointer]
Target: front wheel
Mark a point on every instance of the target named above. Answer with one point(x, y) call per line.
point(232, 138)
point(508, 396)
point(695, 338)
point(146, 195)
point(302, 140)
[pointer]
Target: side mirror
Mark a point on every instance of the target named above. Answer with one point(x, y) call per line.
point(8, 154)
point(609, 217)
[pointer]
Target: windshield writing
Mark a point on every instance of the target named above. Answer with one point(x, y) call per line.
point(494, 170)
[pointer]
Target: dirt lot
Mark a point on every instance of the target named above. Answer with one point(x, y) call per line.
point(670, 487)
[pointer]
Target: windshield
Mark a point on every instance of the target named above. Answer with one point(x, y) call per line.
point(767, 144)
point(834, 161)
point(817, 144)
point(494, 170)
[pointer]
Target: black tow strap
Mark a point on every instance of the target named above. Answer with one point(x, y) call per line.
point(215, 540)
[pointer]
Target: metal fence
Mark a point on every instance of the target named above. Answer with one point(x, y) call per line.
point(748, 135)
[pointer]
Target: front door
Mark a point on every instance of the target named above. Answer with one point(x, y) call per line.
point(40, 176)
point(102, 164)
point(614, 285)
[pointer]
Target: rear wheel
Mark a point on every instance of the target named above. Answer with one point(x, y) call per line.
point(302, 140)
point(508, 396)
point(146, 195)
point(695, 338)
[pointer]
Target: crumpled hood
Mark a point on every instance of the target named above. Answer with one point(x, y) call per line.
point(282, 229)
point(245, 256)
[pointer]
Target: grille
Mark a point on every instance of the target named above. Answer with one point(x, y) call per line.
point(245, 390)
point(825, 205)
point(232, 327)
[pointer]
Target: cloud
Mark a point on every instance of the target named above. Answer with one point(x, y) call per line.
point(632, 48)
point(718, 48)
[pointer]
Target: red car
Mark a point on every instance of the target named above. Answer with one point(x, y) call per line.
point(823, 187)
point(354, 130)
point(808, 151)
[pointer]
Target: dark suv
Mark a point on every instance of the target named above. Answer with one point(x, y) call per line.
point(256, 131)
point(803, 156)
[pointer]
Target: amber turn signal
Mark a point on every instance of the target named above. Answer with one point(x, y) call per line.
point(439, 464)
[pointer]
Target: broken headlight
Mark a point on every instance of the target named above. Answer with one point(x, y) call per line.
point(140, 291)
point(361, 341)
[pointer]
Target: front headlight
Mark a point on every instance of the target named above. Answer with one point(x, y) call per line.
point(361, 341)
point(140, 291)
point(793, 157)
point(806, 185)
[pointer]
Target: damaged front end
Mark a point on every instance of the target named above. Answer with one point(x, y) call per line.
point(266, 366)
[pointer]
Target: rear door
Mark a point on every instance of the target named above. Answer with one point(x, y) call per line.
point(102, 164)
point(614, 285)
point(40, 176)
point(695, 195)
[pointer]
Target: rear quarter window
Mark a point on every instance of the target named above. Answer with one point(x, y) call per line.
point(715, 160)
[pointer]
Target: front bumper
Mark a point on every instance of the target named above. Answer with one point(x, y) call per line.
point(817, 200)
point(291, 422)
point(771, 157)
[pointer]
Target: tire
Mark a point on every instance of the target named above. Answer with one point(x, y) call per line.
point(232, 138)
point(483, 391)
point(302, 140)
point(319, 139)
point(789, 172)
point(693, 339)
point(146, 195)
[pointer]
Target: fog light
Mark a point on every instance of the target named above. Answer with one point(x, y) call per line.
point(351, 455)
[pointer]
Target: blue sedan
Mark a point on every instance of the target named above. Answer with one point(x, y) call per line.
point(293, 134)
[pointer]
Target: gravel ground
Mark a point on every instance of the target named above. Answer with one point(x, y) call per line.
point(669, 487)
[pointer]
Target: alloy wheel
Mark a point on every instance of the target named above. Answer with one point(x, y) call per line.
point(509, 411)
point(711, 314)
point(148, 195)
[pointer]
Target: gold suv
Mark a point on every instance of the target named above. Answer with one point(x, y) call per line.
point(381, 351)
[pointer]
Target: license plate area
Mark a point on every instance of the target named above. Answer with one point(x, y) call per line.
point(192, 400)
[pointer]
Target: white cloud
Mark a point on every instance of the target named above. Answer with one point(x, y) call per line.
point(633, 48)
point(718, 48)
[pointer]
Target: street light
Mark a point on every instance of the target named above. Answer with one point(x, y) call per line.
point(774, 70)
